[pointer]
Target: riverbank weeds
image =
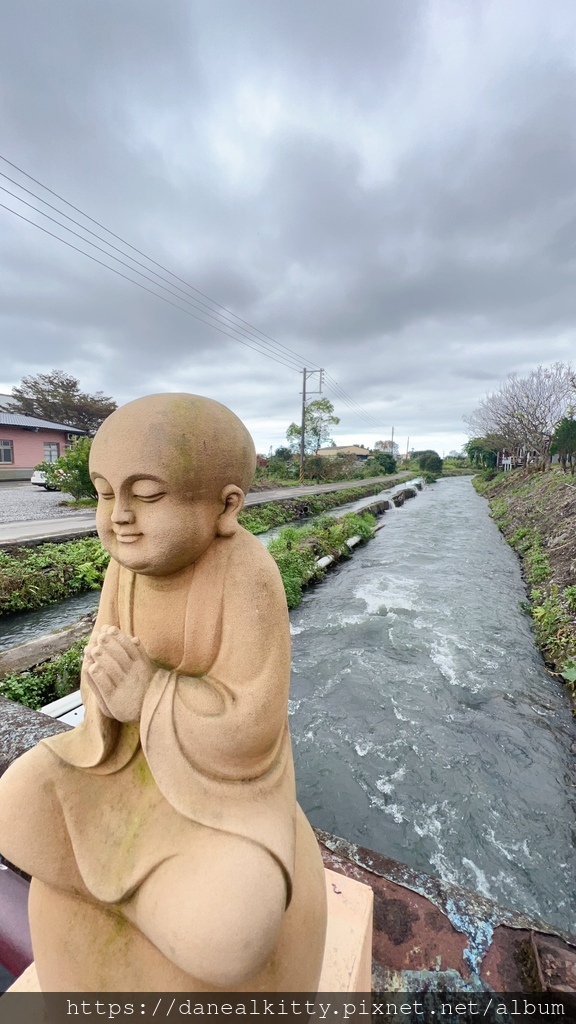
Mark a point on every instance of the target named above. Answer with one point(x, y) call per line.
point(536, 513)
point(34, 577)
point(296, 551)
point(260, 518)
point(47, 682)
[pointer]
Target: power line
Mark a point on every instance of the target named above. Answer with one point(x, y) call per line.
point(348, 398)
point(333, 386)
point(269, 354)
point(195, 302)
point(148, 258)
point(257, 340)
point(132, 281)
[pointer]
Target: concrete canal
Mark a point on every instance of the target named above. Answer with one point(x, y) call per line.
point(424, 723)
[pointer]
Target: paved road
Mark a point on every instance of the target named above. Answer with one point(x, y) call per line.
point(81, 524)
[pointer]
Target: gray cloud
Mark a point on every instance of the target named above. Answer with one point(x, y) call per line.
point(388, 189)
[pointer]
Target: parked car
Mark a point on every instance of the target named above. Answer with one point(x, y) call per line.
point(39, 478)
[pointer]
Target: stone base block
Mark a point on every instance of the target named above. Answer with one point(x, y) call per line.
point(347, 963)
point(27, 982)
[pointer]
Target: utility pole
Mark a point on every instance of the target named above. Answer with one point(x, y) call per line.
point(407, 449)
point(306, 374)
point(392, 444)
point(303, 425)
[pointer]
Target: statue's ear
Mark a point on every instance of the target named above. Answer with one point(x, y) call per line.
point(233, 500)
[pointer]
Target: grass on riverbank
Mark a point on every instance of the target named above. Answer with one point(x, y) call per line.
point(259, 518)
point(34, 577)
point(536, 514)
point(55, 678)
point(295, 552)
point(296, 549)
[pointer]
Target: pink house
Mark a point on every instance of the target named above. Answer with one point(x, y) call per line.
point(25, 441)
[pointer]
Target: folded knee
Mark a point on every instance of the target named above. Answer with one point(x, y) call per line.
point(218, 921)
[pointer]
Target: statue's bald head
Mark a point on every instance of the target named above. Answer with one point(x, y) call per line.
point(197, 444)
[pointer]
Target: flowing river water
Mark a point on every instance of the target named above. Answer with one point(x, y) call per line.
point(423, 721)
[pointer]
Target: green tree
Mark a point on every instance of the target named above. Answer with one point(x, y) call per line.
point(283, 453)
point(281, 464)
point(56, 396)
point(482, 452)
point(431, 462)
point(318, 419)
point(564, 443)
point(70, 472)
point(386, 461)
point(316, 468)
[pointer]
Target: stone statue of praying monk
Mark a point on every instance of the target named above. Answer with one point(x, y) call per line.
point(166, 848)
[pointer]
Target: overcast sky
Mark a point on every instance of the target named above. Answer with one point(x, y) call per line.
point(385, 187)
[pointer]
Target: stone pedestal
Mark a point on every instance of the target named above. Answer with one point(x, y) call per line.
point(347, 965)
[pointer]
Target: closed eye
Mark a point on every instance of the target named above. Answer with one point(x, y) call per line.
point(107, 497)
point(150, 497)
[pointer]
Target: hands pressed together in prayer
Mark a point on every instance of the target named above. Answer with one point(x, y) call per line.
point(119, 672)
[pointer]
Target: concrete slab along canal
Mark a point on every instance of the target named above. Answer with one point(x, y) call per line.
point(424, 723)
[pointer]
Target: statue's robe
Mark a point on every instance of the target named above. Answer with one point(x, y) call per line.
point(107, 802)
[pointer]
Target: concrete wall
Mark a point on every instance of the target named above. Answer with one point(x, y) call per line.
point(28, 449)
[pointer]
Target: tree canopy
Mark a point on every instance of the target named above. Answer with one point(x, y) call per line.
point(525, 411)
point(318, 420)
point(431, 462)
point(56, 396)
point(391, 447)
point(385, 460)
point(564, 443)
point(482, 452)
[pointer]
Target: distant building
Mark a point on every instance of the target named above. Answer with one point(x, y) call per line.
point(361, 454)
point(25, 441)
point(513, 459)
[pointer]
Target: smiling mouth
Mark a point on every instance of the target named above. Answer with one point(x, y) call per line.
point(128, 538)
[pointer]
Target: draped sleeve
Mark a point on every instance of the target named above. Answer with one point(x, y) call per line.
point(99, 743)
point(214, 729)
point(215, 735)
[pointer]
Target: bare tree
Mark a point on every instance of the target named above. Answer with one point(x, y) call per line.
point(525, 411)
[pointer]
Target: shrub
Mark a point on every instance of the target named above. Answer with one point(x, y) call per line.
point(70, 472)
point(35, 577)
point(48, 682)
point(296, 549)
point(431, 461)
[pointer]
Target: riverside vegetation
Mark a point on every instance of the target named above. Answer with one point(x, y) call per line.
point(31, 578)
point(33, 575)
point(536, 513)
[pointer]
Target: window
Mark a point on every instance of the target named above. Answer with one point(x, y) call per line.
point(6, 451)
point(51, 451)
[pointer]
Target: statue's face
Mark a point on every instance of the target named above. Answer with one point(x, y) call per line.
point(150, 525)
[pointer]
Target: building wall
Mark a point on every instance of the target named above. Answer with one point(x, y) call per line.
point(28, 448)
